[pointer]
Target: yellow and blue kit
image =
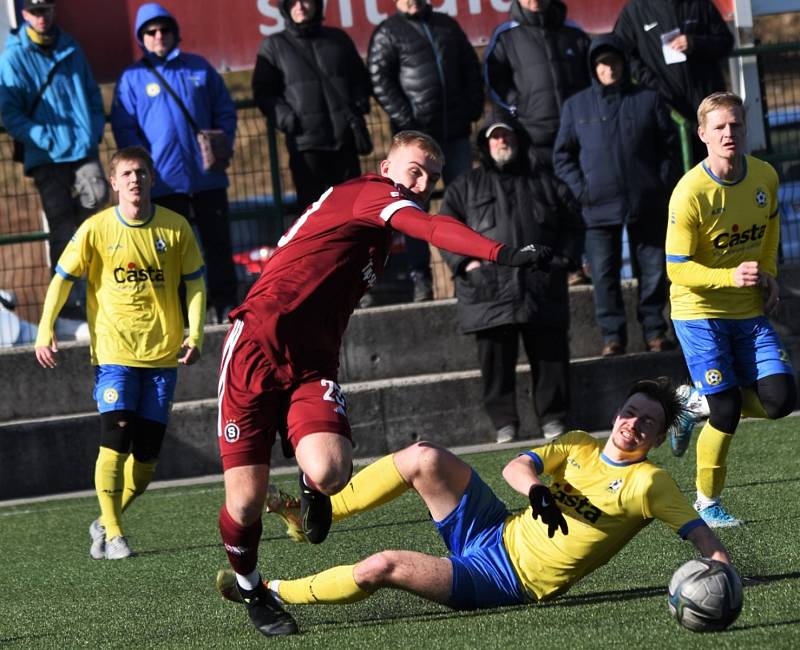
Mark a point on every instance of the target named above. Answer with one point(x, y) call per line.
point(133, 269)
point(499, 558)
point(715, 225)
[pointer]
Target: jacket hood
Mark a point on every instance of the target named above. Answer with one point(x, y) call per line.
point(553, 16)
point(518, 165)
point(311, 26)
point(608, 42)
point(150, 11)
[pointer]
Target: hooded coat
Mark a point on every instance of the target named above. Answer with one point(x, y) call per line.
point(145, 114)
point(532, 64)
point(69, 120)
point(285, 85)
point(426, 75)
point(616, 148)
point(516, 207)
point(684, 85)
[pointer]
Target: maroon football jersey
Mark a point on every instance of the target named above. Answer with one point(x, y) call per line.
point(299, 307)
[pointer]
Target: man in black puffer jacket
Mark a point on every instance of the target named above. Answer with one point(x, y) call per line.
point(288, 86)
point(533, 63)
point(506, 200)
point(427, 77)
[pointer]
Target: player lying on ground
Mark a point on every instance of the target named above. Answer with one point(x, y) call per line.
point(600, 496)
point(280, 360)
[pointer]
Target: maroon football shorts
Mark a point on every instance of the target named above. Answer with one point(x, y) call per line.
point(253, 409)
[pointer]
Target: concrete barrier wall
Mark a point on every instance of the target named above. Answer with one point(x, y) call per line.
point(53, 455)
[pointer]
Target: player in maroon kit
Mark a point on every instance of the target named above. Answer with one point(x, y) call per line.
point(280, 359)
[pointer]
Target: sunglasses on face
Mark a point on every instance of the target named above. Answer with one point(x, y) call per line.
point(155, 30)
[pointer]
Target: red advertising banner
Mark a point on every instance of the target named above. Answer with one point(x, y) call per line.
point(228, 32)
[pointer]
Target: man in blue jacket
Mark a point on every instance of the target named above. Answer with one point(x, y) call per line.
point(615, 149)
point(145, 113)
point(50, 102)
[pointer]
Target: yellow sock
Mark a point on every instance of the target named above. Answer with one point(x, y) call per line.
point(137, 478)
point(712, 450)
point(333, 586)
point(373, 486)
point(751, 405)
point(108, 481)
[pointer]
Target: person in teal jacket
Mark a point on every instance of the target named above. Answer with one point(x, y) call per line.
point(146, 114)
point(62, 130)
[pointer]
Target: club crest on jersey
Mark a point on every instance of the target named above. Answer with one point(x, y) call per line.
point(110, 395)
point(161, 245)
point(152, 89)
point(615, 485)
point(231, 432)
point(761, 198)
point(713, 377)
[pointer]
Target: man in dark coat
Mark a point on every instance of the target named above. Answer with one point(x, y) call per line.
point(506, 200)
point(615, 150)
point(696, 33)
point(427, 77)
point(288, 85)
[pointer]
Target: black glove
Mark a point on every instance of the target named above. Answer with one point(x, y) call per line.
point(563, 263)
point(535, 256)
point(543, 505)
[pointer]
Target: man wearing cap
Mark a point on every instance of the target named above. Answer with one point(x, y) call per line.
point(145, 113)
point(51, 104)
point(503, 200)
point(615, 149)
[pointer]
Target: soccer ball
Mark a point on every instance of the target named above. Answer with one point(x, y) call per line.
point(705, 595)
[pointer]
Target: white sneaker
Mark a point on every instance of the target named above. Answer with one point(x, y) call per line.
point(554, 429)
point(695, 408)
point(98, 534)
point(117, 548)
point(506, 433)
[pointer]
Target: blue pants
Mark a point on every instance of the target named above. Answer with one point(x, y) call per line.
point(604, 252)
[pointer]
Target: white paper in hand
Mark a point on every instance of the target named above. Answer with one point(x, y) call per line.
point(671, 56)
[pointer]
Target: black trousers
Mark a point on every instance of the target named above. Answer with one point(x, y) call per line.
point(548, 354)
point(315, 171)
point(208, 212)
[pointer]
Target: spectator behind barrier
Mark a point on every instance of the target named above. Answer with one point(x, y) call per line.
point(427, 77)
point(506, 201)
point(51, 104)
point(697, 41)
point(533, 63)
point(615, 151)
point(146, 113)
point(311, 81)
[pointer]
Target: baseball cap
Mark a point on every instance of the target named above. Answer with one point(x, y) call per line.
point(497, 125)
point(38, 4)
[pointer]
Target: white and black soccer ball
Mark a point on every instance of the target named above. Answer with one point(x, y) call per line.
point(705, 595)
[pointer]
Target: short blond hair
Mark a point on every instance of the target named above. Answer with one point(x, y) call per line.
point(716, 101)
point(134, 152)
point(425, 142)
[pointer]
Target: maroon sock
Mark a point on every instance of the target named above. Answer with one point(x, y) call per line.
point(241, 542)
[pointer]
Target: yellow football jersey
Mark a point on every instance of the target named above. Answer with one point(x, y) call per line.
point(715, 225)
point(133, 270)
point(604, 503)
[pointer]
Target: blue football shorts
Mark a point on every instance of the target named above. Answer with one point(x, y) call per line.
point(473, 532)
point(723, 353)
point(148, 392)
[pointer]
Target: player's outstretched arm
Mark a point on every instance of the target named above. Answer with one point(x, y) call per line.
point(708, 544)
point(452, 235)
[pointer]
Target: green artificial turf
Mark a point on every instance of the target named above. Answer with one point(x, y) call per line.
point(52, 595)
